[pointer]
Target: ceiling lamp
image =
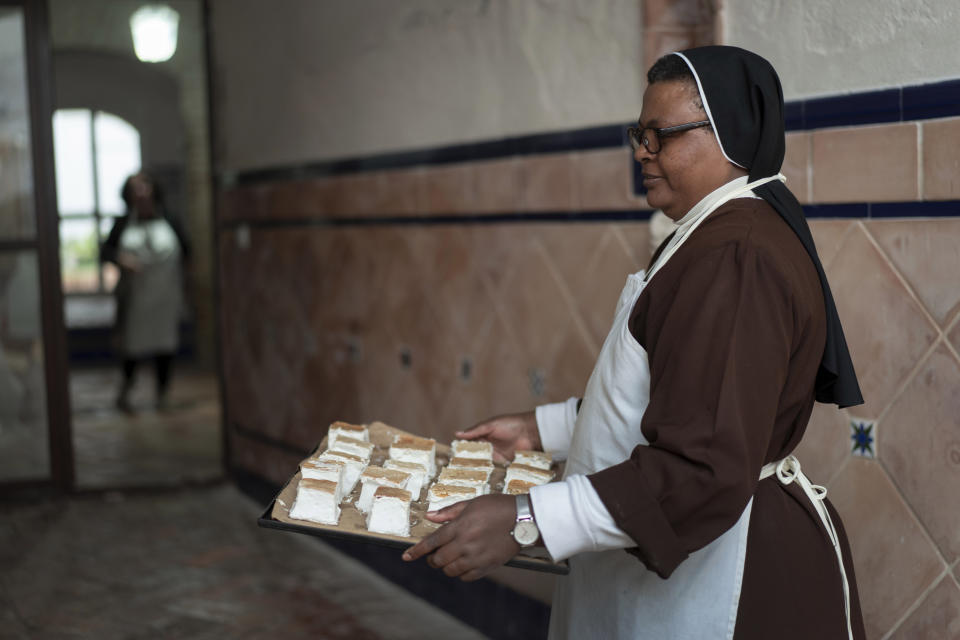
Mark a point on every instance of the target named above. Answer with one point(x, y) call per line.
point(154, 29)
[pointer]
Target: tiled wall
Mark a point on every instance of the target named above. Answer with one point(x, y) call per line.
point(433, 296)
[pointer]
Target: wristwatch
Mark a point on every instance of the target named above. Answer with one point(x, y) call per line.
point(525, 532)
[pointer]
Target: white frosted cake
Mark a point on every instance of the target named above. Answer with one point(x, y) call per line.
point(480, 449)
point(359, 448)
point(418, 475)
point(516, 487)
point(538, 459)
point(374, 477)
point(390, 512)
point(476, 478)
point(476, 464)
point(527, 473)
point(316, 501)
point(355, 431)
point(444, 495)
point(332, 470)
point(415, 449)
point(355, 466)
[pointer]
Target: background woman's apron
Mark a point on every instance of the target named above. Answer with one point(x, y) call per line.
point(150, 300)
point(610, 594)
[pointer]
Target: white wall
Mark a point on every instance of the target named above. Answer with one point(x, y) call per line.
point(824, 47)
point(304, 81)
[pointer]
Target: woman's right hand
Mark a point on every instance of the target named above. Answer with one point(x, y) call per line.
point(507, 433)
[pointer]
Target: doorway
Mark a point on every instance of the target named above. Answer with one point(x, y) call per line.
point(116, 115)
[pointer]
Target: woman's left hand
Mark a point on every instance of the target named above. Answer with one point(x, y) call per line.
point(475, 540)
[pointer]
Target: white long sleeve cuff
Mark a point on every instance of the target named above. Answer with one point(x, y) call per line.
point(572, 519)
point(555, 423)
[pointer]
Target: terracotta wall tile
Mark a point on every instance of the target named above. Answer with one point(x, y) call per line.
point(496, 186)
point(865, 164)
point(826, 444)
point(927, 254)
point(401, 191)
point(548, 183)
point(894, 561)
point(243, 203)
point(690, 13)
point(953, 335)
point(796, 164)
point(604, 179)
point(447, 189)
point(938, 616)
point(941, 159)
point(920, 447)
point(885, 328)
point(827, 235)
point(356, 194)
point(636, 236)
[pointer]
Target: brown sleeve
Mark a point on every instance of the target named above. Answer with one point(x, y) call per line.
point(718, 333)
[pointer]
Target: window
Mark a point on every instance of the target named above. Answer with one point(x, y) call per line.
point(94, 151)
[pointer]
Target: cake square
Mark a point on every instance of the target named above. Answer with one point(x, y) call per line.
point(480, 449)
point(332, 470)
point(353, 446)
point(415, 449)
point(390, 512)
point(354, 467)
point(528, 474)
point(516, 487)
point(465, 478)
point(444, 495)
point(374, 477)
point(340, 428)
point(475, 464)
point(316, 501)
point(418, 475)
point(538, 459)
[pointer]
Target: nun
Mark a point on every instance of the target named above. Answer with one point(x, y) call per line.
point(682, 512)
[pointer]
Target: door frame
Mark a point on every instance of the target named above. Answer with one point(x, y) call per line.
point(46, 243)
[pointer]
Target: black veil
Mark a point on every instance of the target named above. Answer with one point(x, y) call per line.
point(743, 99)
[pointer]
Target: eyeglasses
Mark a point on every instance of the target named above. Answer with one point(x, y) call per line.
point(652, 138)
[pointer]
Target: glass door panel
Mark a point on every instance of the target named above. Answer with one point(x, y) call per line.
point(24, 431)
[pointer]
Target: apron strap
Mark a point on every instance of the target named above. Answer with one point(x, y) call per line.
point(787, 471)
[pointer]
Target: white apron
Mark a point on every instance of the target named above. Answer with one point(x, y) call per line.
point(609, 594)
point(152, 298)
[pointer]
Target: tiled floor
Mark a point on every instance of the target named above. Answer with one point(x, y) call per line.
point(181, 444)
point(185, 564)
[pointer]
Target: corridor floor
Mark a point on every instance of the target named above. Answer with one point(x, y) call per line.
point(189, 563)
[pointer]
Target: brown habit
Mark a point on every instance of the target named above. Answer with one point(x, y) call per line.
point(734, 329)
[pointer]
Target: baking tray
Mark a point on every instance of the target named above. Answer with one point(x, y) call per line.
point(352, 524)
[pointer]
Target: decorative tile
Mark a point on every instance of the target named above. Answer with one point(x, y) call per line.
point(603, 179)
point(941, 159)
point(495, 186)
point(865, 107)
point(796, 163)
point(827, 235)
point(825, 446)
point(863, 438)
point(953, 334)
point(852, 165)
point(446, 189)
point(548, 183)
point(933, 100)
point(400, 192)
point(927, 254)
point(532, 304)
point(893, 560)
point(938, 616)
point(921, 447)
point(885, 328)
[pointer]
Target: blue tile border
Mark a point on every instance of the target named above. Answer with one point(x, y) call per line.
point(852, 210)
point(898, 104)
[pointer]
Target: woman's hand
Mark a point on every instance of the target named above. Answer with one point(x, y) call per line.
point(476, 539)
point(128, 261)
point(507, 434)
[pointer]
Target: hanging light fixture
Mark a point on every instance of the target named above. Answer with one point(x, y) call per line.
point(154, 29)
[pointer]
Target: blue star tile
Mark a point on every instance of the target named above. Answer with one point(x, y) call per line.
point(863, 435)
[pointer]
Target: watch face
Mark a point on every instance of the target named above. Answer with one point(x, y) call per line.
point(526, 532)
